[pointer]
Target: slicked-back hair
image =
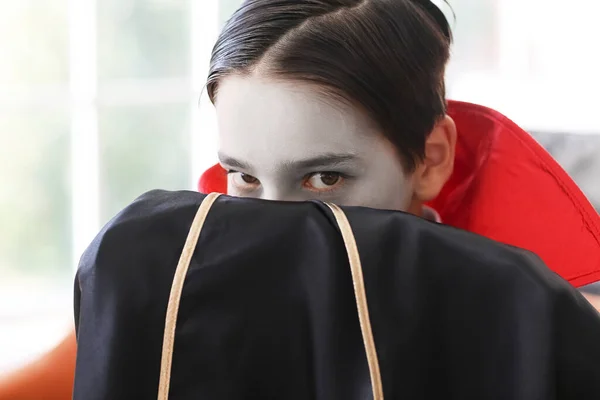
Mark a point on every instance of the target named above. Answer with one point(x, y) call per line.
point(386, 57)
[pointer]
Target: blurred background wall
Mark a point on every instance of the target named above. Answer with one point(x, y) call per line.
point(99, 103)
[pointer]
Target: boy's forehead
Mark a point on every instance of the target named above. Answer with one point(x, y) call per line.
point(279, 123)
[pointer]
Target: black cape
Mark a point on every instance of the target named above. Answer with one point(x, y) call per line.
point(268, 310)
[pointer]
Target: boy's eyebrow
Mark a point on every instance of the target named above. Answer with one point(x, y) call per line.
point(233, 162)
point(327, 160)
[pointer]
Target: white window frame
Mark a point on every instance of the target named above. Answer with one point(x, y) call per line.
point(83, 87)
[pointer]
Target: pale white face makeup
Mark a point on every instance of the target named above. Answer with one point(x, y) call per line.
point(285, 141)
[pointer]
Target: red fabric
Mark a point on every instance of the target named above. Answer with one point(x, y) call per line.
point(507, 187)
point(212, 180)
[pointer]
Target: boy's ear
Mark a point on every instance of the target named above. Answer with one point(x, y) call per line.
point(432, 174)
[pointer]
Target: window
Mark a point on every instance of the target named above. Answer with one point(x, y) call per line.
point(99, 103)
point(531, 60)
point(35, 186)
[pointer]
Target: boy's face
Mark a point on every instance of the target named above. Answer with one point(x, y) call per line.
point(285, 141)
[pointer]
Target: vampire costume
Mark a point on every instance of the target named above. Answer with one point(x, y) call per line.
point(268, 309)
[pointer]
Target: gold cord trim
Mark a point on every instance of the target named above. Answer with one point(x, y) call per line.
point(175, 296)
point(361, 299)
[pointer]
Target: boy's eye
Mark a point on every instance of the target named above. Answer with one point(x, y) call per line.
point(323, 181)
point(248, 178)
point(241, 179)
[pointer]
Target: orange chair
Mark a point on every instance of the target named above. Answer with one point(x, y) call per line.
point(48, 378)
point(505, 186)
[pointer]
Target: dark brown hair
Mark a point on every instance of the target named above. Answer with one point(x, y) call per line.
point(387, 57)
